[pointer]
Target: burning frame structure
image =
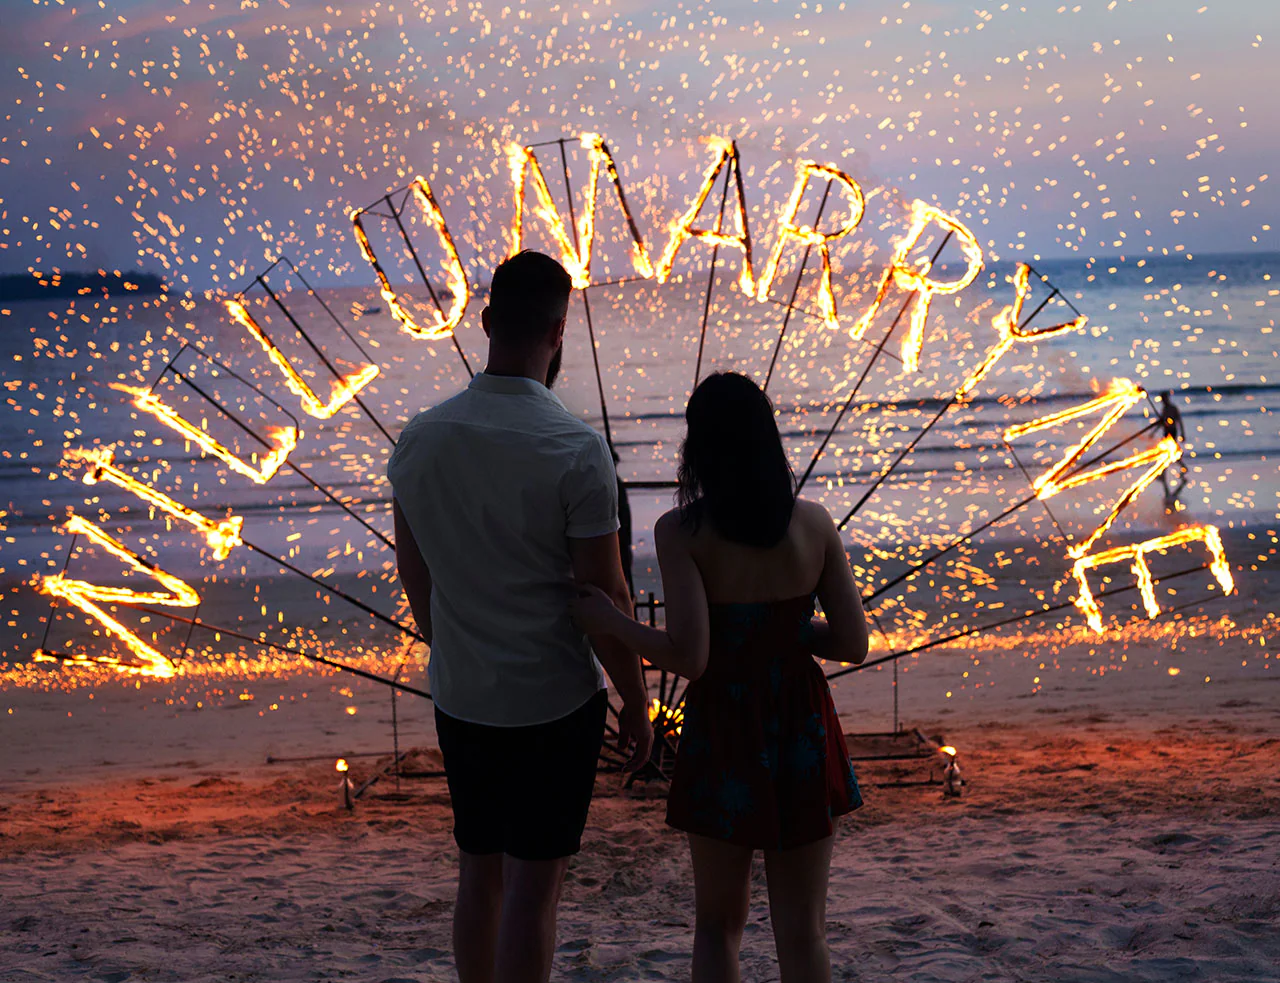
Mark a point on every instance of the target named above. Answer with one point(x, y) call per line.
point(911, 273)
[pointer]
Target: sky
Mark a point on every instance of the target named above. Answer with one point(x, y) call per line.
point(203, 139)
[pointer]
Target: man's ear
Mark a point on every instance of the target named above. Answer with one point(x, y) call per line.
point(484, 321)
point(559, 335)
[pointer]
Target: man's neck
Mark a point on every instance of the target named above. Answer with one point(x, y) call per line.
point(529, 369)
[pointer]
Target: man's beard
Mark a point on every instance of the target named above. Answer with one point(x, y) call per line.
point(553, 370)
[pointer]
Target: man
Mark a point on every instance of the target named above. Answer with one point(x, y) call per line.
point(1171, 426)
point(502, 500)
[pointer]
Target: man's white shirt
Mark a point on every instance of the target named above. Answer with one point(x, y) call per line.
point(494, 482)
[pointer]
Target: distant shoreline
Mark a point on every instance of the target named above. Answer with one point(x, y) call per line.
point(25, 286)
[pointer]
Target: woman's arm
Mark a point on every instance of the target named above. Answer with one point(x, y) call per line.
point(682, 647)
point(843, 637)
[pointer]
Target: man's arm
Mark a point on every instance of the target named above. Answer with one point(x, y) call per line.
point(415, 575)
point(597, 561)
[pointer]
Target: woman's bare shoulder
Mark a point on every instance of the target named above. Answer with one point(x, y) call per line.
point(670, 526)
point(814, 516)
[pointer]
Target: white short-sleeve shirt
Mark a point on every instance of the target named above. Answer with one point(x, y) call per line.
point(494, 482)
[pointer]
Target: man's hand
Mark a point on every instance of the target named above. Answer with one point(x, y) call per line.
point(635, 735)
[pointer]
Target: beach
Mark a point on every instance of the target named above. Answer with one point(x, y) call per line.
point(1116, 825)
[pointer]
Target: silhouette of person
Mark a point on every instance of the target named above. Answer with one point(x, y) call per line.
point(1171, 426)
point(624, 529)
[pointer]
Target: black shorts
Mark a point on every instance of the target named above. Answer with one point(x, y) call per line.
point(523, 791)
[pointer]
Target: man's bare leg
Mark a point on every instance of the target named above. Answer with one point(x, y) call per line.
point(527, 934)
point(476, 916)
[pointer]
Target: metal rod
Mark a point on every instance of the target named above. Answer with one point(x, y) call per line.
point(865, 372)
point(48, 622)
point(386, 619)
point(1045, 505)
point(395, 214)
point(711, 277)
point(586, 303)
point(960, 540)
point(1000, 624)
point(795, 290)
point(218, 630)
point(297, 470)
point(898, 460)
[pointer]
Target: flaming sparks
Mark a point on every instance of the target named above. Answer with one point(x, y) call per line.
point(1137, 553)
point(341, 391)
point(523, 162)
point(284, 438)
point(222, 536)
point(916, 279)
point(443, 322)
point(1121, 396)
point(1009, 329)
point(726, 154)
point(669, 718)
point(83, 594)
point(788, 230)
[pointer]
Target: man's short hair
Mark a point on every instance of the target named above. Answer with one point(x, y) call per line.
point(529, 294)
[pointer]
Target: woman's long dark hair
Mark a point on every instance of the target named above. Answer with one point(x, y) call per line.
point(733, 470)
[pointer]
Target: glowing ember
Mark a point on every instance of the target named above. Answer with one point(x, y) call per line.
point(670, 719)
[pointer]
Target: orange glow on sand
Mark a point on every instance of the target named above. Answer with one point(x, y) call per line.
point(341, 391)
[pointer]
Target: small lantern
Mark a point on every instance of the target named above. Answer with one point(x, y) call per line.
point(952, 782)
point(342, 769)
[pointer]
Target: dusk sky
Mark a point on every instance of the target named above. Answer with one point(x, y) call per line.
point(201, 139)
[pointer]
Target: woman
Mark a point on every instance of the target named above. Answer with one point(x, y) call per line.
point(762, 762)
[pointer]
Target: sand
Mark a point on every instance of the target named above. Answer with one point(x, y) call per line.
point(1119, 823)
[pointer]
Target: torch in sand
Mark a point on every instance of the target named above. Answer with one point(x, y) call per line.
point(342, 768)
point(952, 783)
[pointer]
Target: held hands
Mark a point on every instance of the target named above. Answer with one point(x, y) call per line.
point(593, 612)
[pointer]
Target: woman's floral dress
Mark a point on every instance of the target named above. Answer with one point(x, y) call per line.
point(762, 760)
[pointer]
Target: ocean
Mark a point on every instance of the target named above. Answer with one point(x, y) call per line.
point(1202, 328)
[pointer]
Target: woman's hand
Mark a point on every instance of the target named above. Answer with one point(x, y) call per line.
point(593, 612)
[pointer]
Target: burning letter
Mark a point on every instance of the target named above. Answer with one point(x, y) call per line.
point(682, 228)
point(1137, 554)
point(787, 229)
point(341, 391)
point(82, 594)
point(576, 259)
point(916, 278)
